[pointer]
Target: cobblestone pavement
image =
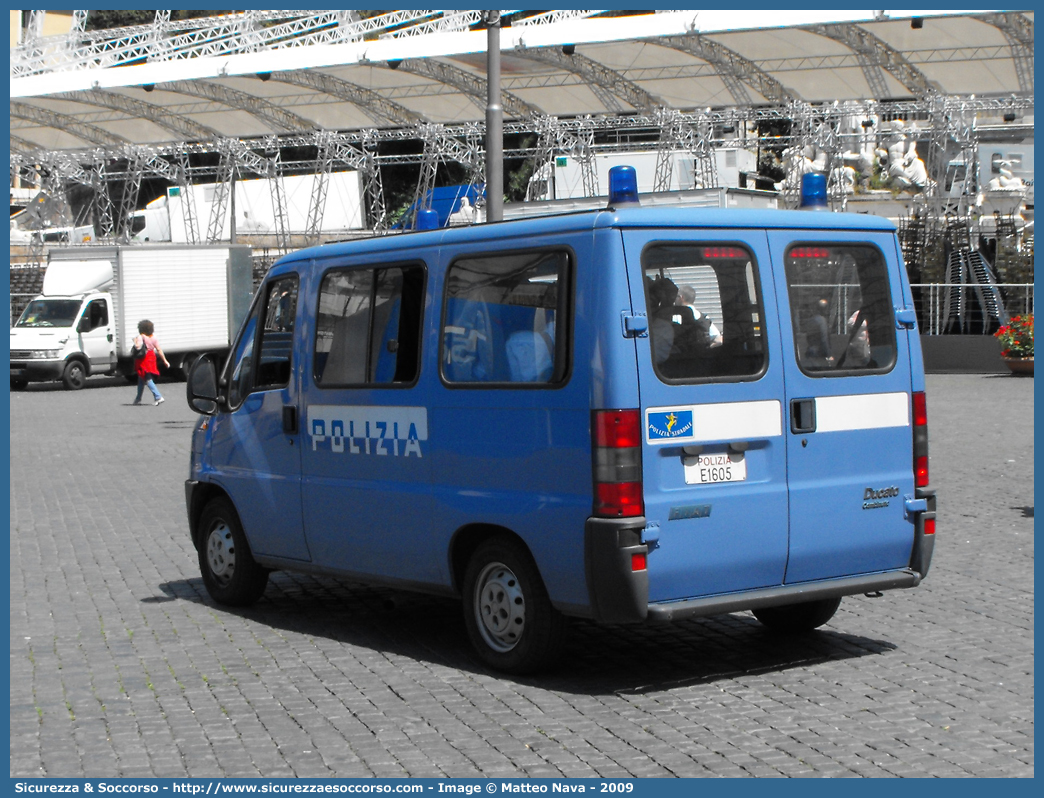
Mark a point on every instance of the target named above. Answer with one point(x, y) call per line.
point(122, 666)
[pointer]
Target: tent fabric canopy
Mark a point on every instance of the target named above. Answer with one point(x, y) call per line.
point(566, 66)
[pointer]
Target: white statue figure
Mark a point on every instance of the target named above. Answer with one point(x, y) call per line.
point(819, 159)
point(914, 167)
point(859, 166)
point(849, 179)
point(905, 170)
point(1006, 180)
point(795, 164)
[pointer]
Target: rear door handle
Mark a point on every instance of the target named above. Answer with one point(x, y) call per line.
point(802, 415)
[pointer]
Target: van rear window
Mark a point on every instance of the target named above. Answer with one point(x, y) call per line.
point(841, 308)
point(504, 318)
point(704, 312)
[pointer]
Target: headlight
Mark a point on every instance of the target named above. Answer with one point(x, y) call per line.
point(45, 354)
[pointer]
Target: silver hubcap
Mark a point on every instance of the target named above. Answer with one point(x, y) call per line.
point(500, 607)
point(221, 553)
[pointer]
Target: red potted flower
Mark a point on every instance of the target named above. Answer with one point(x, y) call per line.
point(1016, 339)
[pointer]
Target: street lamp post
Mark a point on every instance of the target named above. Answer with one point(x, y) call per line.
point(494, 122)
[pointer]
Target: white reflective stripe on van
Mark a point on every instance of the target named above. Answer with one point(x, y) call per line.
point(368, 430)
point(724, 421)
point(862, 411)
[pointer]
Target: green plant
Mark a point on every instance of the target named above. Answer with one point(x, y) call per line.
point(1016, 337)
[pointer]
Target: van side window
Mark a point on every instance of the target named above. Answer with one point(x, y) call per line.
point(504, 318)
point(277, 334)
point(704, 311)
point(368, 326)
point(840, 303)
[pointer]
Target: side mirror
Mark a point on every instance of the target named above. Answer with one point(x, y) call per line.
point(202, 386)
point(84, 325)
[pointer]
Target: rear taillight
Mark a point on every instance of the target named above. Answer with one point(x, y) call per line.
point(616, 440)
point(920, 440)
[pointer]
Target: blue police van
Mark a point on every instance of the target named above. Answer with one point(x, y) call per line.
point(630, 415)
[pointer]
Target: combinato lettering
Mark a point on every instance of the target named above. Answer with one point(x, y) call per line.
point(368, 430)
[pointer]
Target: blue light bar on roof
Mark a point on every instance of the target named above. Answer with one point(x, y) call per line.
point(427, 219)
point(623, 186)
point(814, 192)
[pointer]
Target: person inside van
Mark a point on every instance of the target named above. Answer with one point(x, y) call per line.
point(817, 349)
point(710, 335)
point(858, 353)
point(679, 339)
point(661, 293)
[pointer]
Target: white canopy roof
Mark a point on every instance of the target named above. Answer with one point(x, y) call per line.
point(258, 74)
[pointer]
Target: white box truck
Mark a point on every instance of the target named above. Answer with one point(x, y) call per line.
point(164, 219)
point(729, 163)
point(85, 320)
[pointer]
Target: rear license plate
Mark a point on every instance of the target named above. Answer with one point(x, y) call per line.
point(706, 469)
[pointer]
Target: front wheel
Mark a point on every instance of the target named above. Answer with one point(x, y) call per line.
point(508, 614)
point(19, 383)
point(229, 571)
point(75, 375)
point(793, 618)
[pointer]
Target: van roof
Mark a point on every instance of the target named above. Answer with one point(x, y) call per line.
point(625, 217)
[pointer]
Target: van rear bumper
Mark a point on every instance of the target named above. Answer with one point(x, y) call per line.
point(784, 594)
point(618, 593)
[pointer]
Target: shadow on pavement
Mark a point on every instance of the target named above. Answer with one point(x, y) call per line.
point(597, 660)
point(93, 383)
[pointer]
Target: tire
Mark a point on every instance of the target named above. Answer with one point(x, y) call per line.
point(229, 571)
point(796, 618)
point(75, 375)
point(19, 383)
point(507, 612)
point(181, 372)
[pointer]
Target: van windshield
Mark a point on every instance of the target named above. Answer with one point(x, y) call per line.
point(49, 313)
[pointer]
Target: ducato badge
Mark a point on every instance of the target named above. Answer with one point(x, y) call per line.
point(875, 499)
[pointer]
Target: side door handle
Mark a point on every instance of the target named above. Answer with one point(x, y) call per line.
point(290, 420)
point(802, 415)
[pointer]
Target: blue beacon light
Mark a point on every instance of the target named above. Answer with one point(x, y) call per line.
point(623, 186)
point(427, 219)
point(813, 192)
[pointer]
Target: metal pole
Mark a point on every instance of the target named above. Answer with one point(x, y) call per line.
point(494, 122)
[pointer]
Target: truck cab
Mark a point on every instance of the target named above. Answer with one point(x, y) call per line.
point(63, 338)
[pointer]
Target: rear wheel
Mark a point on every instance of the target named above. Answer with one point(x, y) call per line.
point(229, 571)
point(75, 375)
point(185, 365)
point(793, 618)
point(508, 614)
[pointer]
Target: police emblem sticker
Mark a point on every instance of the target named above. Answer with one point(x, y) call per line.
point(668, 425)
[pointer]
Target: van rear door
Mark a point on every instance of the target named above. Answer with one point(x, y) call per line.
point(848, 384)
point(711, 388)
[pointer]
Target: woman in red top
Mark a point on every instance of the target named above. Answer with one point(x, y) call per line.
point(146, 366)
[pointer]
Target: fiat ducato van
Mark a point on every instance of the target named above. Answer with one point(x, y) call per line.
point(632, 415)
